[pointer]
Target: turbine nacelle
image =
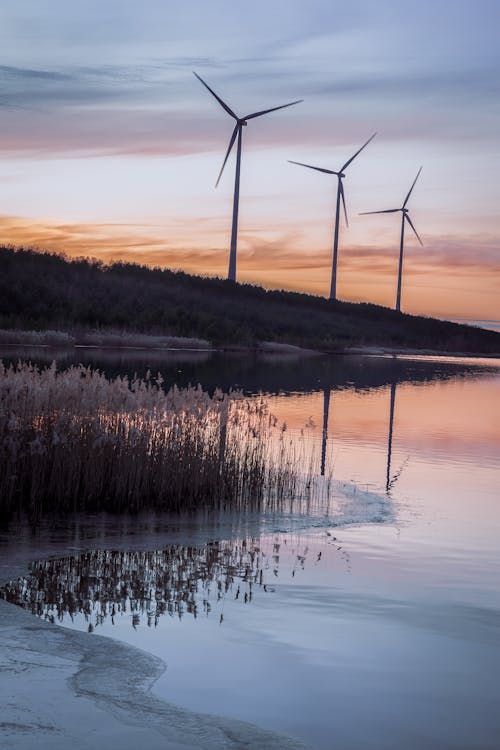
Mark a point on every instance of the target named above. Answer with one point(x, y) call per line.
point(240, 121)
point(236, 137)
point(403, 209)
point(340, 174)
point(405, 219)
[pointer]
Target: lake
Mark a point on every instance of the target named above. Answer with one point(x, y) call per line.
point(372, 621)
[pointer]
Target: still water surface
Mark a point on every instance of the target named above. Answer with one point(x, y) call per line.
point(380, 634)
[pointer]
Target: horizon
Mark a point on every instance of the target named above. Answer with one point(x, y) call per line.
point(111, 148)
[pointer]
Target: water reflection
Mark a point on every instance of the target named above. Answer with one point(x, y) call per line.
point(324, 433)
point(145, 585)
point(390, 479)
point(256, 372)
point(114, 361)
point(395, 627)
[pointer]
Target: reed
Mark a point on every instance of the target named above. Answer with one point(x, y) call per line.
point(36, 338)
point(78, 441)
point(120, 339)
point(105, 338)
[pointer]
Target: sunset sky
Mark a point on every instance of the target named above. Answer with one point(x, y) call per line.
point(110, 147)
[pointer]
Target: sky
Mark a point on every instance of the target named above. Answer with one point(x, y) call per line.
point(110, 147)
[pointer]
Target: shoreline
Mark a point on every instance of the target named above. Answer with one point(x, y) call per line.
point(60, 681)
point(272, 348)
point(409, 352)
point(66, 688)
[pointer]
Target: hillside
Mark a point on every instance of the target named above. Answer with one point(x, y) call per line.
point(42, 290)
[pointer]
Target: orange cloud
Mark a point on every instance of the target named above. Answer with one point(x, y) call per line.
point(448, 279)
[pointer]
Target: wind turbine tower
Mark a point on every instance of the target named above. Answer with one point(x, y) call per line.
point(389, 481)
point(237, 134)
point(340, 197)
point(405, 216)
point(324, 434)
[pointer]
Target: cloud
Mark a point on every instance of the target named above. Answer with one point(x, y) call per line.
point(473, 252)
point(152, 82)
point(452, 278)
point(107, 132)
point(259, 256)
point(53, 90)
point(10, 72)
point(132, 100)
point(435, 92)
point(131, 242)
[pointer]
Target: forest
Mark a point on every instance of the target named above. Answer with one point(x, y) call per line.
point(41, 290)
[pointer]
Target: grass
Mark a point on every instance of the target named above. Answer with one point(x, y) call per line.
point(120, 339)
point(100, 338)
point(77, 441)
point(11, 337)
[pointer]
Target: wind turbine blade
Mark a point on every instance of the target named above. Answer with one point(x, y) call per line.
point(411, 224)
point(223, 104)
point(358, 152)
point(273, 109)
point(231, 144)
point(309, 166)
point(343, 202)
point(409, 192)
point(388, 211)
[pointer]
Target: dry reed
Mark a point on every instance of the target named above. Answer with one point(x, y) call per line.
point(77, 441)
point(36, 338)
point(106, 338)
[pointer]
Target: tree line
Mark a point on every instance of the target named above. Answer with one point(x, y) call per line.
point(40, 290)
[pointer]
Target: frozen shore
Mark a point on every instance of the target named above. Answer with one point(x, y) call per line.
point(63, 688)
point(60, 688)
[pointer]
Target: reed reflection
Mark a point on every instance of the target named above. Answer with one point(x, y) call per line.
point(178, 580)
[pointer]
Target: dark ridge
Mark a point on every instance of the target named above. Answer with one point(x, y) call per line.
point(41, 290)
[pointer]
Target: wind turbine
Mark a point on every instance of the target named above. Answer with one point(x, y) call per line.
point(340, 196)
point(405, 216)
point(237, 133)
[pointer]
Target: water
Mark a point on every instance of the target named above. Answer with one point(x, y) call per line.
point(378, 634)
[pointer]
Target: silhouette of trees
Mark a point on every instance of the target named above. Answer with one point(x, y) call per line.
point(43, 290)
